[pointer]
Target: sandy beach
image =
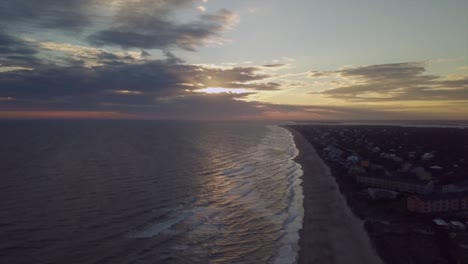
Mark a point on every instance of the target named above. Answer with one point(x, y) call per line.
point(331, 233)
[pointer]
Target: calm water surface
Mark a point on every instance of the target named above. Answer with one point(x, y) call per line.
point(148, 192)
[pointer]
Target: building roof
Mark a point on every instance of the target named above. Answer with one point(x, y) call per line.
point(396, 179)
point(440, 222)
point(457, 223)
point(440, 196)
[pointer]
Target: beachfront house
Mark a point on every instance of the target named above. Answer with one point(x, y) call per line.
point(396, 184)
point(438, 203)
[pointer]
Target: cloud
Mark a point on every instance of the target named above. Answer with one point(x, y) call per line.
point(68, 79)
point(149, 25)
point(12, 45)
point(171, 58)
point(59, 14)
point(144, 24)
point(70, 54)
point(156, 89)
point(131, 84)
point(115, 80)
point(15, 51)
point(316, 74)
point(395, 82)
point(269, 86)
point(274, 65)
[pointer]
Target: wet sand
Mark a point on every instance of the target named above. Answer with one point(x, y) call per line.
point(331, 233)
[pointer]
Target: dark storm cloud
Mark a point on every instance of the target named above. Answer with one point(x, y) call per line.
point(396, 82)
point(137, 24)
point(13, 45)
point(56, 81)
point(16, 51)
point(144, 84)
point(148, 89)
point(68, 77)
point(148, 24)
point(60, 14)
point(153, 90)
point(171, 58)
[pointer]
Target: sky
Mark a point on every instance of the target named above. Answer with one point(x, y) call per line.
point(234, 60)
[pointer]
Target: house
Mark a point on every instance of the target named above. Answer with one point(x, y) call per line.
point(438, 203)
point(427, 156)
point(441, 223)
point(333, 153)
point(457, 225)
point(353, 159)
point(396, 184)
point(381, 194)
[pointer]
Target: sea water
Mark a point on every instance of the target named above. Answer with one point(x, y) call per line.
point(148, 192)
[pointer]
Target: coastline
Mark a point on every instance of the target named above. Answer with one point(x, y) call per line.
point(331, 233)
point(397, 234)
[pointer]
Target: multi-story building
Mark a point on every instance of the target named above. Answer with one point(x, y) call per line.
point(396, 184)
point(439, 203)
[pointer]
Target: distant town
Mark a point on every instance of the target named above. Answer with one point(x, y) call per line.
point(409, 185)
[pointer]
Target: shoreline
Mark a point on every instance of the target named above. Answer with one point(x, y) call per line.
point(331, 232)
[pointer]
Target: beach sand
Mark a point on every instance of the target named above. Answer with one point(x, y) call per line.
point(331, 233)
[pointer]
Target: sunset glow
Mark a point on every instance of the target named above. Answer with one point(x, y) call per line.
point(219, 90)
point(236, 59)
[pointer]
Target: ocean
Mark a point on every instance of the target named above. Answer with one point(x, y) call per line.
point(148, 192)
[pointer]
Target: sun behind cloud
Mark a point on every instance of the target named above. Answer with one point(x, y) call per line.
point(218, 90)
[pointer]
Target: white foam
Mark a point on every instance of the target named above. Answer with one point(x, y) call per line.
point(289, 242)
point(244, 187)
